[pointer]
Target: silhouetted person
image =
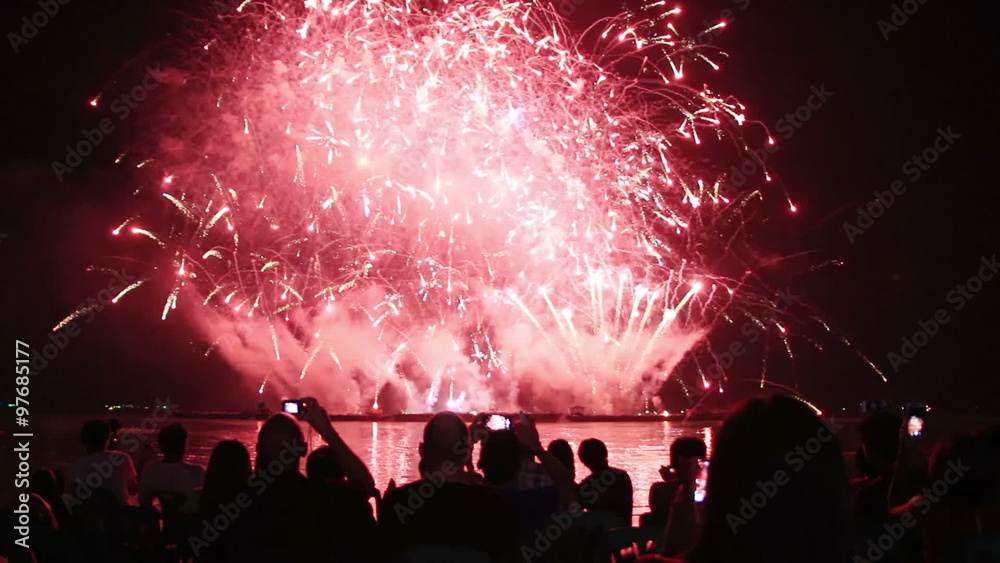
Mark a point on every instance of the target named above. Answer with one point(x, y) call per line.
point(778, 458)
point(45, 541)
point(561, 450)
point(99, 468)
point(47, 484)
point(958, 509)
point(227, 485)
point(227, 475)
point(170, 475)
point(500, 460)
point(879, 442)
point(50, 523)
point(606, 488)
point(880, 435)
point(662, 493)
point(290, 518)
point(322, 466)
point(353, 517)
point(442, 508)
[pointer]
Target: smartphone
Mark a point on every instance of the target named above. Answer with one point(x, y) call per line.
point(294, 408)
point(701, 481)
point(499, 422)
point(915, 422)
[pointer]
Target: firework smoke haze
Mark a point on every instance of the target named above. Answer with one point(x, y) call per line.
point(459, 204)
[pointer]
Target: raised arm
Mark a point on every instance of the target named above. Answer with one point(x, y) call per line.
point(354, 469)
point(681, 526)
point(527, 435)
point(909, 471)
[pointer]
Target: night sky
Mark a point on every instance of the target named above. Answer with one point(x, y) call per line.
point(890, 96)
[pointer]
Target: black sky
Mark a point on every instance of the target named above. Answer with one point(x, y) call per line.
point(889, 99)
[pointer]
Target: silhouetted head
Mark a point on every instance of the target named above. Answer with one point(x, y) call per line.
point(280, 445)
point(686, 447)
point(94, 434)
point(594, 454)
point(561, 450)
point(229, 463)
point(500, 458)
point(173, 441)
point(777, 488)
point(228, 471)
point(446, 439)
point(880, 441)
point(323, 465)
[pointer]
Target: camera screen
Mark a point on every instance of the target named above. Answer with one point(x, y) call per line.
point(498, 422)
point(915, 426)
point(701, 482)
point(291, 407)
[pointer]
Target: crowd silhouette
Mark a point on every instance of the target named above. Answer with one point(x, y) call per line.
point(778, 490)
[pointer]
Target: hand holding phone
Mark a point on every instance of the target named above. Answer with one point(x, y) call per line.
point(527, 434)
point(665, 472)
point(295, 407)
point(317, 417)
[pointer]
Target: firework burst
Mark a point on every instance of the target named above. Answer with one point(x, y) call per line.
point(463, 203)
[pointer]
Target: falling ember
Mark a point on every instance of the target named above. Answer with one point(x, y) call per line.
point(75, 315)
point(491, 205)
point(126, 290)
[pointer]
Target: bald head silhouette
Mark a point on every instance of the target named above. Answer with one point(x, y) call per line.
point(446, 438)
